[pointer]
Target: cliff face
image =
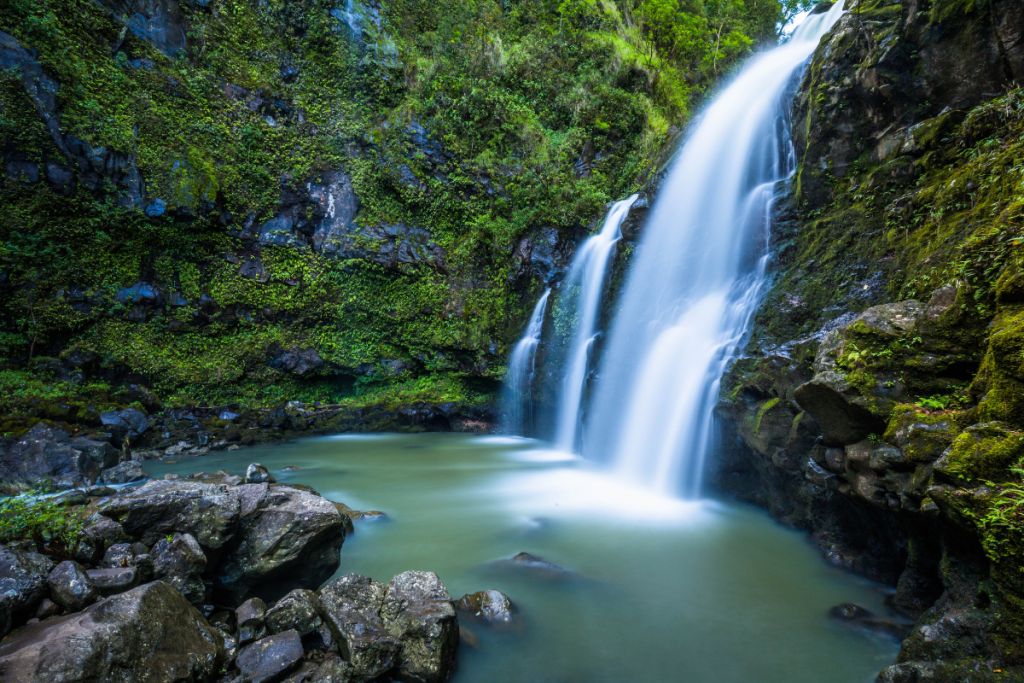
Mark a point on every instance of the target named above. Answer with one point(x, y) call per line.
point(879, 402)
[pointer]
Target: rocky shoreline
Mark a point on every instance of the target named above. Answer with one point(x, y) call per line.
point(214, 577)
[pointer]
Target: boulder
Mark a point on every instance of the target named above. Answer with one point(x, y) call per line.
point(269, 659)
point(258, 474)
point(334, 670)
point(150, 634)
point(124, 473)
point(23, 581)
point(45, 455)
point(291, 539)
point(251, 619)
point(207, 511)
point(418, 612)
point(113, 580)
point(301, 611)
point(490, 606)
point(101, 453)
point(180, 562)
point(71, 587)
point(125, 426)
point(295, 360)
point(352, 605)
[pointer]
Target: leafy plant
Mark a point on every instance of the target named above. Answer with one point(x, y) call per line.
point(55, 530)
point(935, 402)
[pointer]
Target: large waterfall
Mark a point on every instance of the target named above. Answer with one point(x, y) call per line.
point(584, 288)
point(695, 278)
point(518, 399)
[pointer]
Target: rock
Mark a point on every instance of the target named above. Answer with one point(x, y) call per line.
point(491, 606)
point(334, 670)
point(149, 634)
point(208, 512)
point(45, 455)
point(857, 615)
point(251, 619)
point(23, 579)
point(47, 608)
point(180, 562)
point(258, 474)
point(100, 491)
point(125, 473)
point(127, 425)
point(294, 360)
point(71, 587)
point(352, 605)
point(537, 566)
point(267, 660)
point(301, 611)
point(101, 453)
point(291, 539)
point(113, 580)
point(418, 611)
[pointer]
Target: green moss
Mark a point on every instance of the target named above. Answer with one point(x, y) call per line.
point(761, 410)
point(985, 451)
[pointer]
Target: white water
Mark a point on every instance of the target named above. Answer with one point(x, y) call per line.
point(586, 273)
point(695, 280)
point(519, 376)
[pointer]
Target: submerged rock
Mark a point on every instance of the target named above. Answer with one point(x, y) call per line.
point(537, 566)
point(490, 606)
point(150, 634)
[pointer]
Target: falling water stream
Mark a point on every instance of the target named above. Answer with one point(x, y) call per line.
point(518, 395)
point(696, 277)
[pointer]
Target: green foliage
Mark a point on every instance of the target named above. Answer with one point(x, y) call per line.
point(55, 530)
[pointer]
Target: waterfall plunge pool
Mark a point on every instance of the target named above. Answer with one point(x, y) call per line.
point(702, 592)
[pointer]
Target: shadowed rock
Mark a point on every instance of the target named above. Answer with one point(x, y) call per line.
point(420, 614)
point(352, 605)
point(269, 659)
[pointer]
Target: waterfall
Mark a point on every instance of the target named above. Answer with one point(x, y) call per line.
point(519, 378)
point(585, 280)
point(696, 277)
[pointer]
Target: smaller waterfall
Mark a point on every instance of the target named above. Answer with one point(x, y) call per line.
point(519, 378)
point(587, 273)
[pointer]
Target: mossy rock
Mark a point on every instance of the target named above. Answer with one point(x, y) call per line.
point(982, 452)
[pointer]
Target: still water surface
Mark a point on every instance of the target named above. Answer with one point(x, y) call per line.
point(667, 591)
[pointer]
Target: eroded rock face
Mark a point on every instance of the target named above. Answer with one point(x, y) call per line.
point(208, 512)
point(418, 611)
point(291, 539)
point(150, 634)
point(352, 604)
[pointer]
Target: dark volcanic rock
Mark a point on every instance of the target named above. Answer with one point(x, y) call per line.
point(113, 580)
point(301, 611)
point(491, 606)
point(45, 455)
point(295, 360)
point(180, 562)
point(207, 511)
point(251, 619)
point(291, 539)
point(418, 611)
point(124, 473)
point(269, 659)
point(352, 605)
point(23, 580)
point(147, 635)
point(71, 587)
point(100, 452)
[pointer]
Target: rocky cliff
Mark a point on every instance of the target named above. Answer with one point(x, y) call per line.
point(878, 401)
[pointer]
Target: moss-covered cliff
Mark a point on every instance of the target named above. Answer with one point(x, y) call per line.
point(317, 201)
point(879, 401)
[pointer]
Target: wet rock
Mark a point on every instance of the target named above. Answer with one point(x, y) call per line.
point(301, 611)
point(536, 566)
point(180, 562)
point(334, 670)
point(23, 579)
point(71, 587)
point(125, 426)
point(858, 616)
point(45, 455)
point(47, 608)
point(490, 606)
point(418, 611)
point(267, 660)
point(100, 491)
point(149, 634)
point(124, 473)
point(258, 474)
point(251, 619)
point(100, 452)
point(113, 580)
point(208, 512)
point(295, 360)
point(291, 539)
point(352, 604)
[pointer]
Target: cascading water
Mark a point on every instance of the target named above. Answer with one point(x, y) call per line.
point(696, 277)
point(519, 378)
point(587, 274)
